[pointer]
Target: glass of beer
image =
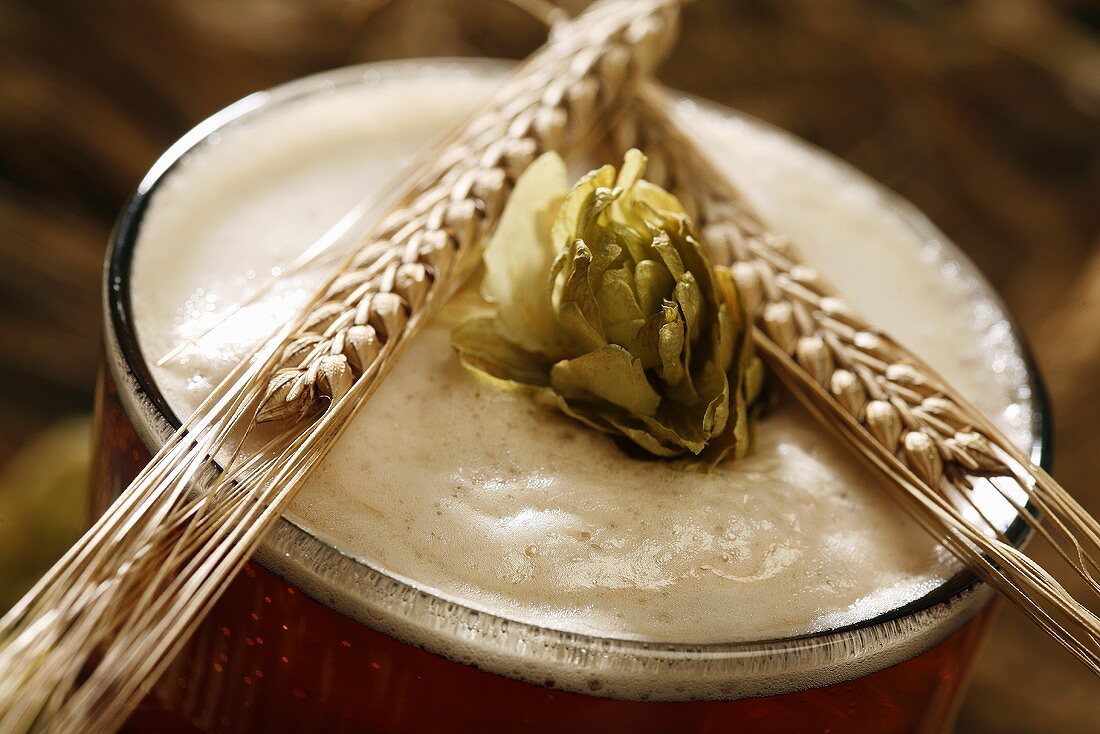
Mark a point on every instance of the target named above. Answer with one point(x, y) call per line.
point(464, 559)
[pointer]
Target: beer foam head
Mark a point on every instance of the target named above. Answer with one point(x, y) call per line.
point(481, 497)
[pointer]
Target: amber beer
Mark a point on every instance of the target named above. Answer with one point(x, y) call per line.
point(488, 567)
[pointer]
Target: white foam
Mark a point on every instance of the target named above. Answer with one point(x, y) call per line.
point(480, 497)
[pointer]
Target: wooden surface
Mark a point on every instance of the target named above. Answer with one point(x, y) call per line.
point(985, 113)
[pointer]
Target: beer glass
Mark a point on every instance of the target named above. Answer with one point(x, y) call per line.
point(309, 638)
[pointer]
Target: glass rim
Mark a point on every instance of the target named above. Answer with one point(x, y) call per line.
point(133, 376)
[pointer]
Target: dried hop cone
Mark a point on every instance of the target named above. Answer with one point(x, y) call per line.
point(608, 307)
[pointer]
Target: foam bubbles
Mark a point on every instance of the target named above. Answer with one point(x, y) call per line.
point(486, 500)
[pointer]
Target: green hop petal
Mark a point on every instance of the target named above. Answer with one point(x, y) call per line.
point(614, 314)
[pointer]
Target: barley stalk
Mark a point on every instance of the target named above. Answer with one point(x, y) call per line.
point(82, 647)
point(879, 398)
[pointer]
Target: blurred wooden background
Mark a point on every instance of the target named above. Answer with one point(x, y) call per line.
point(985, 113)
